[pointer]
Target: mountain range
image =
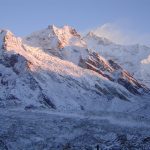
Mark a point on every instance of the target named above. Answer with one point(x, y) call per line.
point(57, 69)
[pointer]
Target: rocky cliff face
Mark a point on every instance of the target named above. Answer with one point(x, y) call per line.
point(113, 72)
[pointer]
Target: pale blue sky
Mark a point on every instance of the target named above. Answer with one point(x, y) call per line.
point(25, 16)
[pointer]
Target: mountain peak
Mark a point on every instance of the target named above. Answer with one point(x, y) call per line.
point(51, 26)
point(5, 33)
point(55, 37)
point(99, 40)
point(4, 36)
point(9, 41)
point(64, 30)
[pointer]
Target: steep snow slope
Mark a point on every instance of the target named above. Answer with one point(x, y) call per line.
point(131, 57)
point(17, 85)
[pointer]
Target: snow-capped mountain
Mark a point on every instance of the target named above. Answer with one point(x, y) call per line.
point(55, 37)
point(64, 42)
point(57, 91)
point(77, 52)
point(46, 69)
point(134, 58)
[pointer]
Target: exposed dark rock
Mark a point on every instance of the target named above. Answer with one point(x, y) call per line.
point(29, 107)
point(3, 146)
point(82, 108)
point(114, 65)
point(111, 93)
point(122, 138)
point(128, 86)
point(47, 101)
point(146, 140)
point(9, 61)
point(4, 81)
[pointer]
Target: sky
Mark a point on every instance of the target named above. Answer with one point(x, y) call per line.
point(129, 18)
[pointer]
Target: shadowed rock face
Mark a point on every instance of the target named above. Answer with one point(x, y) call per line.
point(113, 72)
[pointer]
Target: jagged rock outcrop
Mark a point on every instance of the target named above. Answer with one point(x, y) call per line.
point(114, 72)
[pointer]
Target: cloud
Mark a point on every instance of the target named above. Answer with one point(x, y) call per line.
point(121, 35)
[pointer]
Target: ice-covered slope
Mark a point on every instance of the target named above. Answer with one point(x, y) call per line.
point(131, 57)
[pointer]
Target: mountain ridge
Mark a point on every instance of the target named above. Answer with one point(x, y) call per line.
point(62, 68)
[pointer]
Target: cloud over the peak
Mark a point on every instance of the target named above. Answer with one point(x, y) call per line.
point(121, 35)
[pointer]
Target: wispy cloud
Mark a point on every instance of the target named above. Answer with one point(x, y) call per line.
point(121, 35)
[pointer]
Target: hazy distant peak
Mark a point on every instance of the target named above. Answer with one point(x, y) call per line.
point(100, 40)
